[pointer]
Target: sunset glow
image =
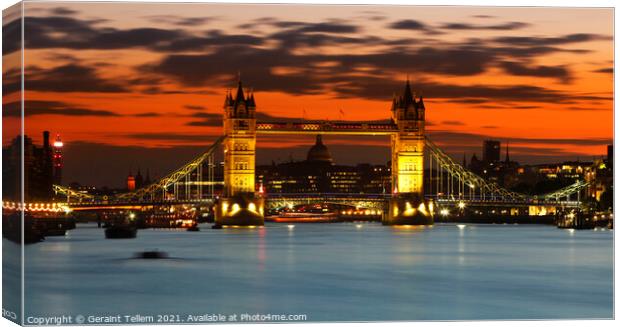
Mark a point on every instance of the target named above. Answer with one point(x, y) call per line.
point(144, 79)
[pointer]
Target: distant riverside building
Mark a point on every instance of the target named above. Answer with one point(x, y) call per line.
point(490, 151)
point(56, 158)
point(131, 182)
point(138, 181)
point(38, 169)
point(319, 174)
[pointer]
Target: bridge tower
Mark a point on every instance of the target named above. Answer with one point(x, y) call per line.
point(408, 206)
point(239, 205)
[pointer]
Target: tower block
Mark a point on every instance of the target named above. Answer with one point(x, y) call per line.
point(408, 206)
point(239, 205)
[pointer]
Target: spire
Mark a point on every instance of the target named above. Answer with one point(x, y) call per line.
point(464, 159)
point(507, 153)
point(408, 95)
point(240, 96)
point(319, 139)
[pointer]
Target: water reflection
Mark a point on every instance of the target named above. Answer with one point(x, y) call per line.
point(331, 272)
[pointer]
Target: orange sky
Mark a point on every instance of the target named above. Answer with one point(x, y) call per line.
point(155, 75)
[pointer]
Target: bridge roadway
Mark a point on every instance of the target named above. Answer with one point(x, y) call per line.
point(375, 201)
point(327, 127)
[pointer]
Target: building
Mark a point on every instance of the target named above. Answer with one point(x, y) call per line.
point(37, 169)
point(490, 151)
point(57, 158)
point(131, 182)
point(319, 174)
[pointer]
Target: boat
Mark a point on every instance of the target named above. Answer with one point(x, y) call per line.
point(121, 231)
point(194, 228)
point(55, 232)
point(303, 217)
point(166, 218)
point(575, 220)
point(151, 255)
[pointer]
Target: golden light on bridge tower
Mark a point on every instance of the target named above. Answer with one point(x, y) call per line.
point(239, 204)
point(408, 206)
point(408, 143)
point(240, 144)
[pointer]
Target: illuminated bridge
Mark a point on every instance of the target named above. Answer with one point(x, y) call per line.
point(415, 160)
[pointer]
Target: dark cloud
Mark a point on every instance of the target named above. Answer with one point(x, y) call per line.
point(206, 119)
point(548, 41)
point(148, 114)
point(453, 122)
point(63, 11)
point(69, 78)
point(11, 79)
point(452, 137)
point(327, 27)
point(194, 107)
point(181, 21)
point(378, 88)
point(72, 33)
point(501, 27)
point(410, 24)
point(167, 137)
point(514, 68)
point(211, 38)
point(36, 107)
point(609, 70)
point(11, 36)
point(277, 66)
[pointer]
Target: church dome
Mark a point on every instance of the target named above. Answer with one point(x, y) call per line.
point(318, 152)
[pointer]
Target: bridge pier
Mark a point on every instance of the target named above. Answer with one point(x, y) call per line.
point(409, 209)
point(240, 210)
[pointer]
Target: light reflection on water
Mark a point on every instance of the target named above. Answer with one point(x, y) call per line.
point(329, 272)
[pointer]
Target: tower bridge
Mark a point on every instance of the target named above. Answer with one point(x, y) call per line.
point(414, 159)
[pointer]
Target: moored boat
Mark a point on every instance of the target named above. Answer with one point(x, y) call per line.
point(121, 231)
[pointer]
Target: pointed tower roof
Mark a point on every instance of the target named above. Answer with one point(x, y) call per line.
point(507, 152)
point(408, 94)
point(239, 93)
point(464, 159)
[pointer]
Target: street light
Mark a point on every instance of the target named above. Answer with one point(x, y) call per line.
point(461, 205)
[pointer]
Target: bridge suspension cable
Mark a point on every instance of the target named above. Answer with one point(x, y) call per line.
point(470, 186)
point(180, 180)
point(80, 196)
point(567, 191)
point(460, 183)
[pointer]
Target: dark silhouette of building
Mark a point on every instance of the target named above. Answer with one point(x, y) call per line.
point(37, 169)
point(139, 179)
point(319, 174)
point(131, 182)
point(490, 151)
point(57, 158)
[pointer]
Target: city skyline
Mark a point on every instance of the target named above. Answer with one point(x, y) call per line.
point(152, 87)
